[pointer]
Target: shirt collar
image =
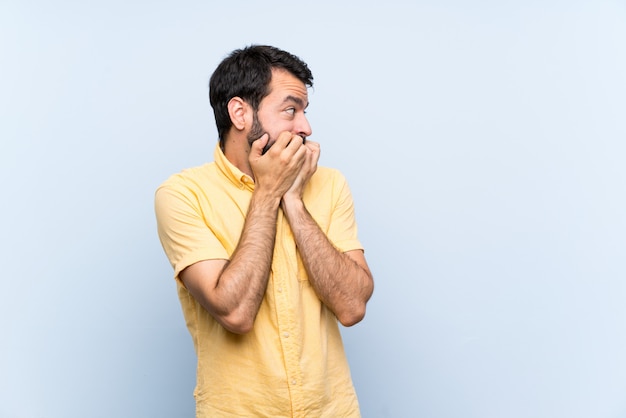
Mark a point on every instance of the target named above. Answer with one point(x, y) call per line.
point(232, 173)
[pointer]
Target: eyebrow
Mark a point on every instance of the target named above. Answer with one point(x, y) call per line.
point(295, 99)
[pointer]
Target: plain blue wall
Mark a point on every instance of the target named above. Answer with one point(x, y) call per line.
point(484, 142)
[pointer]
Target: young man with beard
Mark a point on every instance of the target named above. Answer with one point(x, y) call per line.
point(265, 252)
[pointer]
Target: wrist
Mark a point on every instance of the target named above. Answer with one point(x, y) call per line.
point(268, 201)
point(291, 204)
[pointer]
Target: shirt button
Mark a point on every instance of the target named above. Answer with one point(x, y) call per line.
point(280, 290)
point(293, 381)
point(286, 335)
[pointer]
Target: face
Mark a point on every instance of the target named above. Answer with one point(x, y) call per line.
point(283, 109)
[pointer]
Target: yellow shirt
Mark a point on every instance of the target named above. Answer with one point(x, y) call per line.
point(292, 364)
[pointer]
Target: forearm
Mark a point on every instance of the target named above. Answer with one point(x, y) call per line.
point(340, 282)
point(240, 288)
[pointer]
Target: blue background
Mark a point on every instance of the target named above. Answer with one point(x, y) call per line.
point(484, 143)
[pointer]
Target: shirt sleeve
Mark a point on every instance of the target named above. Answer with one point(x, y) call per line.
point(183, 232)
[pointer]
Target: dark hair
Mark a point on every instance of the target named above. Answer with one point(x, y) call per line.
point(247, 73)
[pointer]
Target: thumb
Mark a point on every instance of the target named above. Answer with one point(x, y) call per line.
point(256, 149)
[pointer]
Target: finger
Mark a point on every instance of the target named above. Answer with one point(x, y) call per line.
point(295, 142)
point(283, 140)
point(314, 158)
point(314, 148)
point(256, 149)
point(312, 144)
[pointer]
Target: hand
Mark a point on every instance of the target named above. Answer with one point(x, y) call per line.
point(307, 170)
point(277, 169)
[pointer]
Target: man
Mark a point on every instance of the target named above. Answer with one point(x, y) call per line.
point(264, 247)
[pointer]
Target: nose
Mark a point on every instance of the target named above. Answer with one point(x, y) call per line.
point(303, 127)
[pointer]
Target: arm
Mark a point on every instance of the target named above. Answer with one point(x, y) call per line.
point(342, 281)
point(232, 291)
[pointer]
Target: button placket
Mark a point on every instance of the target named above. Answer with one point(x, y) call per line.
point(285, 247)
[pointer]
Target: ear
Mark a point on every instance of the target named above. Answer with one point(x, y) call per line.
point(237, 110)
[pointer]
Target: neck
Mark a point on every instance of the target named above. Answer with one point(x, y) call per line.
point(236, 150)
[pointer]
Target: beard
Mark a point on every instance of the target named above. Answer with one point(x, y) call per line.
point(256, 131)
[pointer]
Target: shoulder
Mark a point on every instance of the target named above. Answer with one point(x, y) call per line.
point(327, 185)
point(327, 177)
point(189, 178)
point(328, 174)
point(186, 186)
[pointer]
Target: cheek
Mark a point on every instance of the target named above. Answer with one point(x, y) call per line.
point(275, 123)
point(276, 126)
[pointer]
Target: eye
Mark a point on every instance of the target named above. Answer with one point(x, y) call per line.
point(291, 111)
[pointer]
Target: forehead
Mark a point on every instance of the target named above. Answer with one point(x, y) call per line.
point(284, 84)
